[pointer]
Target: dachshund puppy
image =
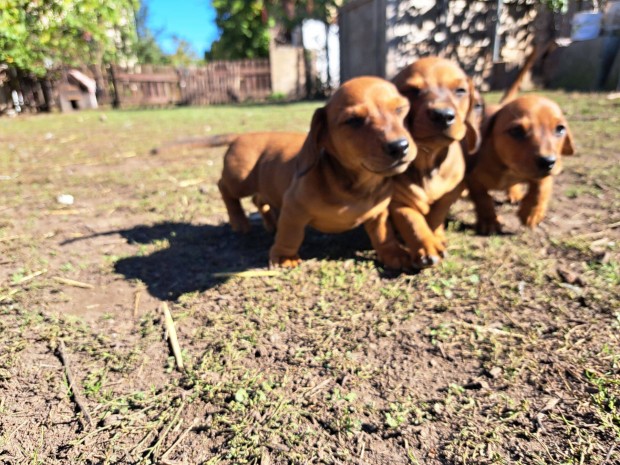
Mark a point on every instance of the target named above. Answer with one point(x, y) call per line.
point(523, 143)
point(341, 177)
point(444, 111)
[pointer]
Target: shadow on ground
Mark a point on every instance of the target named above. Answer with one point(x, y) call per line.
point(195, 252)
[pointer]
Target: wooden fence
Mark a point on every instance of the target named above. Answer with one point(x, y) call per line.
point(217, 82)
point(146, 86)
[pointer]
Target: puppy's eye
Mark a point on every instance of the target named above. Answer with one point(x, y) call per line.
point(461, 92)
point(401, 111)
point(478, 106)
point(518, 132)
point(355, 122)
point(560, 130)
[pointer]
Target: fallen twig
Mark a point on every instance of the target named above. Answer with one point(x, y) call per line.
point(29, 277)
point(71, 282)
point(166, 430)
point(611, 451)
point(10, 238)
point(76, 394)
point(602, 231)
point(178, 440)
point(136, 303)
point(499, 332)
point(246, 274)
point(172, 336)
point(8, 295)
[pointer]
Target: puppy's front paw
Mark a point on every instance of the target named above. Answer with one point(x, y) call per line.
point(440, 235)
point(531, 217)
point(489, 226)
point(394, 256)
point(278, 260)
point(516, 193)
point(429, 253)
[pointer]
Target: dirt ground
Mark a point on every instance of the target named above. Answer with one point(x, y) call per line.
point(507, 353)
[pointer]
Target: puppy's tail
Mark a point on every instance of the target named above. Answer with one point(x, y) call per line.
point(217, 140)
point(513, 90)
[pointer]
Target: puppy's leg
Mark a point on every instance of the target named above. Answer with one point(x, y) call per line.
point(270, 219)
point(487, 221)
point(534, 204)
point(516, 193)
point(436, 218)
point(238, 221)
point(389, 251)
point(289, 235)
point(423, 246)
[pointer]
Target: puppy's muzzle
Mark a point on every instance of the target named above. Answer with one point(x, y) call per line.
point(397, 149)
point(442, 117)
point(546, 163)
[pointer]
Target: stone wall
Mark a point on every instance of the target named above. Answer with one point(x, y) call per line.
point(457, 29)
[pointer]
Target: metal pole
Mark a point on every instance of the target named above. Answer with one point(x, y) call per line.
point(498, 37)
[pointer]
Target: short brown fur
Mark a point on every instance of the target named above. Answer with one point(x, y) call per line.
point(434, 181)
point(339, 179)
point(523, 142)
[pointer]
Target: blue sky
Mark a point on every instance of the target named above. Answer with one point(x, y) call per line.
point(192, 20)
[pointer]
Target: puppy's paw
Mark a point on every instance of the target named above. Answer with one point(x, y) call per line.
point(440, 235)
point(489, 226)
point(394, 256)
point(277, 260)
point(430, 253)
point(531, 217)
point(516, 193)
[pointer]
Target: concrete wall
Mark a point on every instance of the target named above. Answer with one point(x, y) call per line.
point(584, 65)
point(288, 71)
point(613, 79)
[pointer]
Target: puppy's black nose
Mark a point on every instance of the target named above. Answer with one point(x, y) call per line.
point(397, 148)
point(546, 163)
point(443, 117)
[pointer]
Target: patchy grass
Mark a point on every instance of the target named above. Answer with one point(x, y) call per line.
point(508, 352)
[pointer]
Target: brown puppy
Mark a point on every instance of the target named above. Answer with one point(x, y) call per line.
point(340, 178)
point(246, 163)
point(443, 112)
point(523, 143)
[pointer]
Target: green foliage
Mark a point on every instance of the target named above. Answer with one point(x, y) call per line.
point(38, 35)
point(245, 29)
point(184, 54)
point(556, 5)
point(245, 25)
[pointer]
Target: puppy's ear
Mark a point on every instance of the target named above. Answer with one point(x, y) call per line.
point(473, 137)
point(488, 123)
point(569, 145)
point(314, 144)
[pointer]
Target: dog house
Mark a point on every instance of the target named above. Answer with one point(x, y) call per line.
point(77, 92)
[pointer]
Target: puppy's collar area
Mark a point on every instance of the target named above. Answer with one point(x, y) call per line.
point(348, 179)
point(431, 160)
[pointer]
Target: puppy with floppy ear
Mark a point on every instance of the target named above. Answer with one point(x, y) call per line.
point(339, 179)
point(523, 142)
point(444, 112)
